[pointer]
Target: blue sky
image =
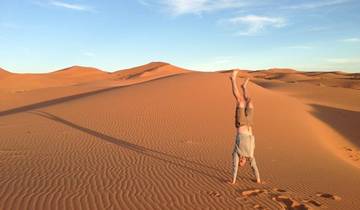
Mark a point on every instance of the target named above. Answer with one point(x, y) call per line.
point(45, 35)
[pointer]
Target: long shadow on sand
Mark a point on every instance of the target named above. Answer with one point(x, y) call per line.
point(72, 97)
point(345, 121)
point(171, 159)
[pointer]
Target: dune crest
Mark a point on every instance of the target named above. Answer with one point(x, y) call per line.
point(153, 69)
point(4, 73)
point(281, 70)
point(78, 70)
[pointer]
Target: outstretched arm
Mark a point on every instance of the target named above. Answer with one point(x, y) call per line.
point(255, 169)
point(235, 89)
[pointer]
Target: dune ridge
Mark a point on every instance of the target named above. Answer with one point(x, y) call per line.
point(79, 72)
point(153, 69)
point(4, 73)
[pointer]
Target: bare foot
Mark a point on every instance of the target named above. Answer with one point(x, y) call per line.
point(246, 82)
point(234, 74)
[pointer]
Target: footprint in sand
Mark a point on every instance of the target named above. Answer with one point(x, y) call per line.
point(279, 190)
point(214, 194)
point(277, 195)
point(330, 196)
point(257, 206)
point(348, 149)
point(352, 153)
point(253, 192)
point(313, 202)
point(289, 203)
point(244, 199)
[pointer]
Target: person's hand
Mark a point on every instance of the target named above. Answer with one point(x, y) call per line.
point(260, 182)
point(232, 182)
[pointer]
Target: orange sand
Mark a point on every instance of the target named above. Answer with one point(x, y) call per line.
point(160, 137)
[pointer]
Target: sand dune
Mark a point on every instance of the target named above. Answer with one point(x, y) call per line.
point(161, 138)
point(337, 107)
point(280, 70)
point(135, 71)
point(4, 73)
point(65, 77)
point(329, 79)
point(24, 89)
point(150, 70)
point(287, 75)
point(330, 74)
point(345, 98)
point(79, 74)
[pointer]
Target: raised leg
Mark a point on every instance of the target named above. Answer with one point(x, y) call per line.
point(235, 90)
point(245, 91)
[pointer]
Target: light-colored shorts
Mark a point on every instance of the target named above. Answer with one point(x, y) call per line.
point(244, 145)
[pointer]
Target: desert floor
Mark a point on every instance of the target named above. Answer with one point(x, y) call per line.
point(161, 137)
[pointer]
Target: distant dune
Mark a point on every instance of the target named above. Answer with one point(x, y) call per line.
point(79, 71)
point(76, 75)
point(292, 76)
point(154, 69)
point(65, 77)
point(159, 136)
point(280, 70)
point(4, 73)
point(136, 71)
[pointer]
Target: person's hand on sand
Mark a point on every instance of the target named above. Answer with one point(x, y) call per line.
point(232, 182)
point(260, 182)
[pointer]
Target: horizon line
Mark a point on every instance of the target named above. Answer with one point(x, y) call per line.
point(167, 63)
